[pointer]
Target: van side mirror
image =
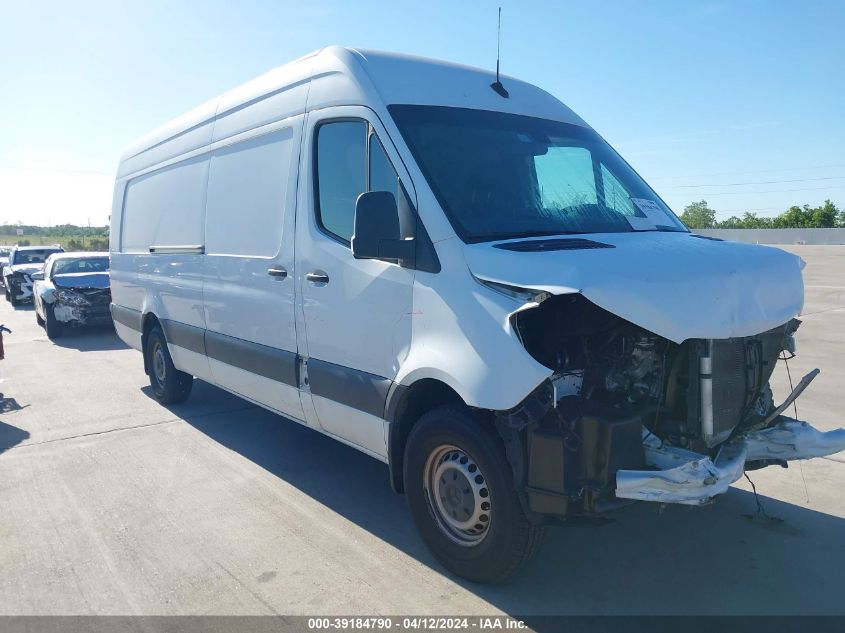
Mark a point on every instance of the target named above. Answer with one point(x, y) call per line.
point(377, 233)
point(39, 276)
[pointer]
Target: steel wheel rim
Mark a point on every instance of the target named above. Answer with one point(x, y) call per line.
point(458, 495)
point(159, 364)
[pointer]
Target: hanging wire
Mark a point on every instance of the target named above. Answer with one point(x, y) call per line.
point(786, 360)
point(761, 511)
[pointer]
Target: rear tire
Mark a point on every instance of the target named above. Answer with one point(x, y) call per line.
point(51, 324)
point(169, 385)
point(462, 499)
point(38, 318)
point(13, 300)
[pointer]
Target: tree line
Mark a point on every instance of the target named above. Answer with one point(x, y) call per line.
point(59, 230)
point(70, 236)
point(698, 215)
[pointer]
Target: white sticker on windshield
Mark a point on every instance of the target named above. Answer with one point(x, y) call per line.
point(649, 207)
point(653, 215)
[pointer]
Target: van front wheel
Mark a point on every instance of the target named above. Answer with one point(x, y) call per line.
point(169, 385)
point(462, 498)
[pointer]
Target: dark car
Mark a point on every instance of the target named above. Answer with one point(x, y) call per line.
point(17, 274)
point(72, 290)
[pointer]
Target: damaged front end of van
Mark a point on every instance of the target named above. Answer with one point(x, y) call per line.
point(634, 414)
point(630, 415)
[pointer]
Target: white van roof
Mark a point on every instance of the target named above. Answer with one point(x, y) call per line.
point(338, 76)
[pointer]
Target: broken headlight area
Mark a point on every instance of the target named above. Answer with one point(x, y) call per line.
point(83, 306)
point(630, 415)
point(70, 297)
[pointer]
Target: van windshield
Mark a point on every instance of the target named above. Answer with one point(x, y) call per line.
point(500, 176)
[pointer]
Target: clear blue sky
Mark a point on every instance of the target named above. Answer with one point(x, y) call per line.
point(698, 96)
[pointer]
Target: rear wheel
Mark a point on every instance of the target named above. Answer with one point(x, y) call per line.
point(169, 385)
point(51, 324)
point(38, 318)
point(13, 300)
point(462, 498)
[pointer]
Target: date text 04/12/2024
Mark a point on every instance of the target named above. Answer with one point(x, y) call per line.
point(425, 623)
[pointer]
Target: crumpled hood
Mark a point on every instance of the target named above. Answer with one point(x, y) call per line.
point(81, 280)
point(26, 269)
point(673, 284)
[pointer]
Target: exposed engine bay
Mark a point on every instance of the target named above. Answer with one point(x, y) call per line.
point(693, 395)
point(625, 407)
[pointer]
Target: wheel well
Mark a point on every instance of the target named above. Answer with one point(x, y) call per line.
point(412, 403)
point(150, 321)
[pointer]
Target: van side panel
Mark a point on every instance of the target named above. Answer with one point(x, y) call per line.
point(251, 332)
point(247, 196)
point(165, 207)
point(164, 210)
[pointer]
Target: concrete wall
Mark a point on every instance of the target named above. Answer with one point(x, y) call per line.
point(778, 236)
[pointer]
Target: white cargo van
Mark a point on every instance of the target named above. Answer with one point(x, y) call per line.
point(462, 280)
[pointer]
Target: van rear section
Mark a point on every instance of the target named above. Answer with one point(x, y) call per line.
point(462, 281)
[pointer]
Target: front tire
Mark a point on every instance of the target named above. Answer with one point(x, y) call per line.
point(51, 324)
point(462, 499)
point(169, 385)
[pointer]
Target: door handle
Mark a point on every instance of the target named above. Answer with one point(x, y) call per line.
point(277, 271)
point(317, 277)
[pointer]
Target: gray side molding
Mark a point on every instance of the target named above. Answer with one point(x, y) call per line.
point(351, 387)
point(270, 362)
point(188, 336)
point(127, 316)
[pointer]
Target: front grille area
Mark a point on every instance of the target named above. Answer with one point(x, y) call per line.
point(731, 388)
point(741, 368)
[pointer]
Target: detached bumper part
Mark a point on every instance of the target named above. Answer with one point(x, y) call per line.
point(690, 478)
point(793, 439)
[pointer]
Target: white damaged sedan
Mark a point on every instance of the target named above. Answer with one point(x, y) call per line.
point(72, 290)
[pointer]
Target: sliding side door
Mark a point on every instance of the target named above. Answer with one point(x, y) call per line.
point(249, 295)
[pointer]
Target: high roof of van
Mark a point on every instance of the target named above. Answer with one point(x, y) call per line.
point(338, 76)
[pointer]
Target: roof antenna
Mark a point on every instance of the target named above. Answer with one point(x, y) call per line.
point(497, 85)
